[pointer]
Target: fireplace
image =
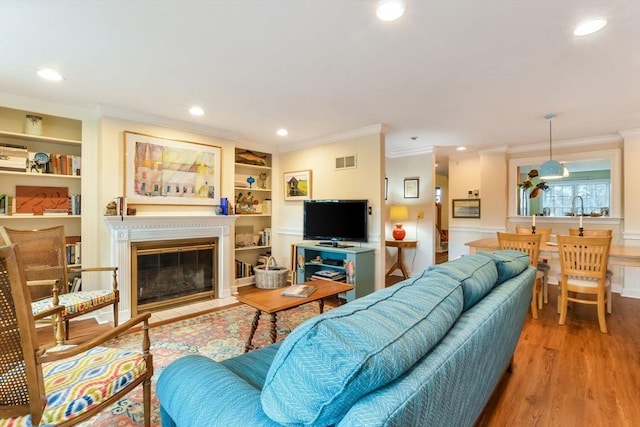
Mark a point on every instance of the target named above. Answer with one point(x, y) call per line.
point(169, 229)
point(172, 272)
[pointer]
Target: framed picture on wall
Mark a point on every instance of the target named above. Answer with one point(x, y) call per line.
point(465, 208)
point(297, 185)
point(411, 186)
point(165, 171)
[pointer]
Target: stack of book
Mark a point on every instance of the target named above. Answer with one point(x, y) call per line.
point(336, 276)
point(13, 158)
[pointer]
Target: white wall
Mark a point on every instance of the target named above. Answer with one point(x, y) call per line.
point(421, 166)
point(366, 181)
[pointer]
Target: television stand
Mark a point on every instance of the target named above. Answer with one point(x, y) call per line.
point(334, 244)
point(313, 257)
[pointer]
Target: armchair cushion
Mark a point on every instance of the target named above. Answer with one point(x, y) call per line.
point(75, 302)
point(112, 370)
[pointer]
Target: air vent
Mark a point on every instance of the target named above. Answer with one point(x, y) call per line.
point(346, 162)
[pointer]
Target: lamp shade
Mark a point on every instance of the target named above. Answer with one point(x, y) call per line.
point(398, 213)
point(551, 169)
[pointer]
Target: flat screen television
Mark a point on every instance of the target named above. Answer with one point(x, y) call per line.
point(333, 221)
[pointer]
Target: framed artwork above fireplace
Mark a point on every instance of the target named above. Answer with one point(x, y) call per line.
point(170, 172)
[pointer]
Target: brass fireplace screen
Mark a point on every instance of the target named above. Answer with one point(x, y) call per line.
point(171, 273)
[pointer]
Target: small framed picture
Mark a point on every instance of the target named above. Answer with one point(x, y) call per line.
point(465, 208)
point(411, 188)
point(297, 185)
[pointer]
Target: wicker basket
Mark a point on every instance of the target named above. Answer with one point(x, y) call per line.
point(270, 276)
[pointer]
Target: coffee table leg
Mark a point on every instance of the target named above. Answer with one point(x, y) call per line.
point(321, 305)
point(273, 332)
point(254, 326)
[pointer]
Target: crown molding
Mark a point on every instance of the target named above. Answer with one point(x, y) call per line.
point(495, 150)
point(377, 129)
point(629, 132)
point(567, 143)
point(409, 151)
point(153, 119)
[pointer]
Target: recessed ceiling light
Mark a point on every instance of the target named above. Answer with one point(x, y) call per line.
point(390, 10)
point(49, 74)
point(196, 111)
point(589, 27)
point(461, 148)
point(282, 132)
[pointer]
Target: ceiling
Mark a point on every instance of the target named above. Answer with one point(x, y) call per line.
point(476, 73)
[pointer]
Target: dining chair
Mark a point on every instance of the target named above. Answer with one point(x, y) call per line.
point(598, 233)
point(63, 385)
point(543, 264)
point(44, 257)
point(583, 273)
point(530, 244)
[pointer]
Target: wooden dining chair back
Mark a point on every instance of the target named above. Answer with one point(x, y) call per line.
point(590, 233)
point(598, 233)
point(583, 274)
point(543, 265)
point(545, 232)
point(68, 384)
point(44, 256)
point(529, 244)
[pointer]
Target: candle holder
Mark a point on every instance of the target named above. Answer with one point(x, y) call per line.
point(533, 229)
point(580, 232)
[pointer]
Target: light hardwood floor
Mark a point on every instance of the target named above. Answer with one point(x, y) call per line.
point(570, 375)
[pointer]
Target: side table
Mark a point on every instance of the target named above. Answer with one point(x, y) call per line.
point(399, 264)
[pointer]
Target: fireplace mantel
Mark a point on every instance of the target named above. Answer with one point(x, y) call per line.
point(144, 228)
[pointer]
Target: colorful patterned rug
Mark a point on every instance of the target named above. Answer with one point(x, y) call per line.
point(218, 335)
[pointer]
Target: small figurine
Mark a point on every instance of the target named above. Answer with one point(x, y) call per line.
point(251, 180)
point(111, 209)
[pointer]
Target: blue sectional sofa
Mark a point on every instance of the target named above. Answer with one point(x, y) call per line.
point(427, 351)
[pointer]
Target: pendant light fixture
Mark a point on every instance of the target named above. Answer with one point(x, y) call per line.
point(551, 169)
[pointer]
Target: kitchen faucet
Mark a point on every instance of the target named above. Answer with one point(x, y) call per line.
point(573, 205)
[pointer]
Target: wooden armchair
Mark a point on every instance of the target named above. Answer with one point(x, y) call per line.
point(44, 257)
point(65, 385)
point(529, 244)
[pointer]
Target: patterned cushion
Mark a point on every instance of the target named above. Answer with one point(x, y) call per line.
point(73, 389)
point(509, 263)
point(329, 362)
point(75, 302)
point(477, 273)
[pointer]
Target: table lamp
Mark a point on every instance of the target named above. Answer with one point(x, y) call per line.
point(398, 213)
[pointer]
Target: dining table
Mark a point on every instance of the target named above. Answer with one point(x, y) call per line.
point(627, 256)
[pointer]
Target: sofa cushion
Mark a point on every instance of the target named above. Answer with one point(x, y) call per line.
point(509, 263)
point(326, 364)
point(477, 273)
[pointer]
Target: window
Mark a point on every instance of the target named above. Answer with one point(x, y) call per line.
point(595, 194)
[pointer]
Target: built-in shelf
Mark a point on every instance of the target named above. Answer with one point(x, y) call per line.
point(40, 175)
point(39, 138)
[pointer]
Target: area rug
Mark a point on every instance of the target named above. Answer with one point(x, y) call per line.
point(218, 335)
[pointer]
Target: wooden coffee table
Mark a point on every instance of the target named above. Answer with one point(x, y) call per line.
point(271, 301)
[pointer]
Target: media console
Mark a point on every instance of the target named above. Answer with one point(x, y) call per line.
point(336, 259)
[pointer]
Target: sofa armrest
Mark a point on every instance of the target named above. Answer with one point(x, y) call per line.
point(194, 390)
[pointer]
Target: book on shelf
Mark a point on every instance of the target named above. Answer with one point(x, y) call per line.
point(300, 291)
point(339, 278)
point(76, 284)
point(329, 274)
point(13, 158)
